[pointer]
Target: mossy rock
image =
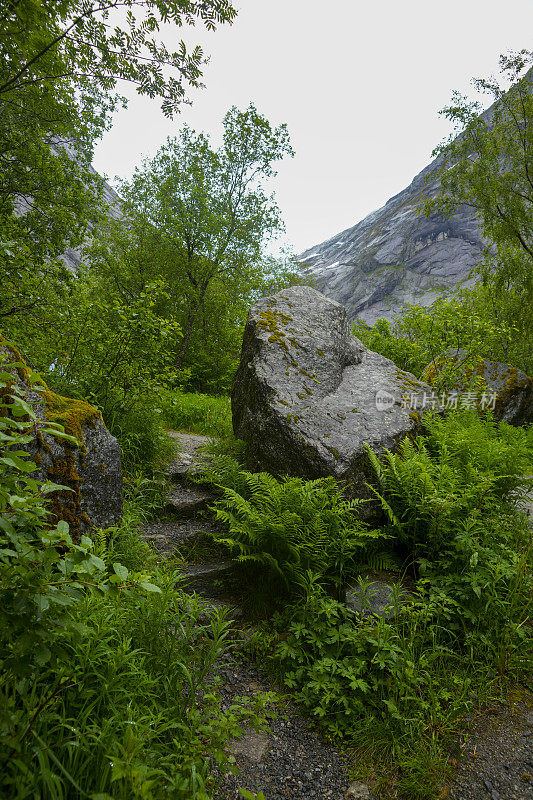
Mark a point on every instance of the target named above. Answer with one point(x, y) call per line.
point(512, 387)
point(314, 416)
point(90, 470)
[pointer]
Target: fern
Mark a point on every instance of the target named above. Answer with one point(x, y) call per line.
point(291, 528)
point(462, 469)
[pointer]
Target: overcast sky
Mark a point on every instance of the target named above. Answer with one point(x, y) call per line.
point(359, 85)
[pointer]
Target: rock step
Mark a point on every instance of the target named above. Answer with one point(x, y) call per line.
point(167, 535)
point(203, 578)
point(190, 459)
point(187, 501)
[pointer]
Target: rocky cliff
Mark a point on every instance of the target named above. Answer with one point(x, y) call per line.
point(396, 255)
point(72, 256)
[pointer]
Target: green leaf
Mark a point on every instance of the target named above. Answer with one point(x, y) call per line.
point(43, 654)
point(120, 570)
point(150, 587)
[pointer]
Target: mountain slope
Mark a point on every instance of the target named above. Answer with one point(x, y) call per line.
point(396, 255)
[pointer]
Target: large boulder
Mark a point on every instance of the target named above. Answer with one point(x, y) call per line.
point(308, 396)
point(91, 469)
point(506, 389)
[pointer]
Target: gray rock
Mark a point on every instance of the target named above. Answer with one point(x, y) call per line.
point(253, 744)
point(308, 396)
point(377, 598)
point(91, 471)
point(513, 388)
point(207, 577)
point(186, 501)
point(190, 460)
point(358, 791)
point(396, 255)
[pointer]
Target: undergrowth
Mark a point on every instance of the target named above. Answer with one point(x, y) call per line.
point(104, 661)
point(209, 415)
point(396, 688)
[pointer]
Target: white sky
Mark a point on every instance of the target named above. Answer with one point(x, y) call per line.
point(359, 84)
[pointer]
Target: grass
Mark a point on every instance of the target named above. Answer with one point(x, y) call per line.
point(209, 415)
point(128, 708)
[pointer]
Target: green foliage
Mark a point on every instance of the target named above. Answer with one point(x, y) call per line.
point(488, 167)
point(223, 471)
point(453, 477)
point(142, 437)
point(92, 345)
point(103, 688)
point(289, 530)
point(397, 687)
point(60, 62)
point(42, 572)
point(130, 714)
point(483, 321)
point(197, 413)
point(198, 219)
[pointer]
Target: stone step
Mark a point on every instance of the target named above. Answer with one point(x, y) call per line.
point(190, 460)
point(168, 535)
point(205, 577)
point(187, 501)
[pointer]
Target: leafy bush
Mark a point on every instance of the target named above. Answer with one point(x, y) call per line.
point(397, 687)
point(144, 443)
point(103, 668)
point(483, 320)
point(292, 528)
point(431, 487)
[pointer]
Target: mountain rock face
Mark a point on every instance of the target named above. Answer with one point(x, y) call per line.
point(396, 255)
point(72, 257)
point(308, 396)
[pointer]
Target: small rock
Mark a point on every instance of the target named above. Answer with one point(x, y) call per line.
point(376, 598)
point(358, 791)
point(186, 502)
point(253, 744)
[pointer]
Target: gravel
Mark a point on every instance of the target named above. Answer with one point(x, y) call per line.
point(293, 761)
point(497, 754)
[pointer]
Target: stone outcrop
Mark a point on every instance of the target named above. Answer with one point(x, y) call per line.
point(308, 396)
point(91, 469)
point(513, 388)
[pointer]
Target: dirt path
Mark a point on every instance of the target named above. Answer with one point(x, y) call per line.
point(293, 761)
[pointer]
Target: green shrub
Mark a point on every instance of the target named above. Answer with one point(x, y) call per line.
point(396, 688)
point(222, 471)
point(483, 320)
point(104, 686)
point(459, 472)
point(288, 529)
point(143, 440)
